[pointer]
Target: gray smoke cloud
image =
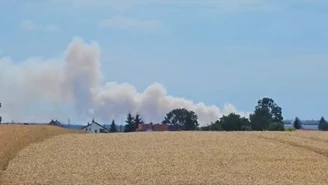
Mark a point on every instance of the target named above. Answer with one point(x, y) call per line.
point(76, 78)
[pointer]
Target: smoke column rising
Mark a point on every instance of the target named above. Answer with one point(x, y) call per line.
point(77, 78)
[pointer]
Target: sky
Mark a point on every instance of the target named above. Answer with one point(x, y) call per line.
point(81, 59)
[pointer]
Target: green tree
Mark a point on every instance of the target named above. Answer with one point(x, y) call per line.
point(297, 123)
point(323, 125)
point(216, 126)
point(137, 120)
point(206, 127)
point(233, 122)
point(266, 112)
point(259, 120)
point(277, 126)
point(181, 118)
point(113, 127)
point(130, 126)
point(245, 125)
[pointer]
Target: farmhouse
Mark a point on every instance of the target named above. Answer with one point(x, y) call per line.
point(55, 123)
point(152, 127)
point(95, 127)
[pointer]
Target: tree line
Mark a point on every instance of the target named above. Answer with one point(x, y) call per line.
point(267, 115)
point(132, 123)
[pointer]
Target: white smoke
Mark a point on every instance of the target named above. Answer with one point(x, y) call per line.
point(76, 78)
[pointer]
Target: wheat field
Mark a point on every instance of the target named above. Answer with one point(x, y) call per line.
point(174, 158)
point(13, 138)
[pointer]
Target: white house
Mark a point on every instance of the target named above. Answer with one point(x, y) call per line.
point(95, 127)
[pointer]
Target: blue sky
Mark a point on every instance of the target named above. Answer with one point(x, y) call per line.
point(215, 52)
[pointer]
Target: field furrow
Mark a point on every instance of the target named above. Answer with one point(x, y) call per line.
point(314, 135)
point(306, 142)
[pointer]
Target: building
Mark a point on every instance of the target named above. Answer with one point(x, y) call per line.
point(95, 127)
point(150, 127)
point(55, 123)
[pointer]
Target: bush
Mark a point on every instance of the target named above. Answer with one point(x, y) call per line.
point(325, 127)
point(245, 128)
point(276, 127)
point(290, 129)
point(297, 123)
point(205, 128)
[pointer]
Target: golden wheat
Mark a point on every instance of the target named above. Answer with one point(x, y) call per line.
point(173, 158)
point(15, 137)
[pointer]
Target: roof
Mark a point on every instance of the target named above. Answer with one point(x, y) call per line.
point(56, 123)
point(144, 127)
point(93, 121)
point(160, 127)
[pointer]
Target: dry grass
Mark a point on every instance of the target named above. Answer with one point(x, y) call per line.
point(15, 137)
point(174, 158)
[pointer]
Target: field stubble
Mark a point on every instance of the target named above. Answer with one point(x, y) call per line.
point(172, 158)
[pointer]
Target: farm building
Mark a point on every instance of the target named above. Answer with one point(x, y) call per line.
point(55, 123)
point(95, 127)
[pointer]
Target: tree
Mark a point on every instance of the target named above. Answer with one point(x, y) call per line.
point(245, 125)
point(191, 122)
point(206, 127)
point(216, 126)
point(323, 125)
point(259, 120)
point(137, 120)
point(297, 123)
point(181, 118)
point(277, 126)
point(233, 122)
point(230, 122)
point(130, 126)
point(266, 112)
point(113, 127)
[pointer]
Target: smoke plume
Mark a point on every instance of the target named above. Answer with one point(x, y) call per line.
point(76, 78)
